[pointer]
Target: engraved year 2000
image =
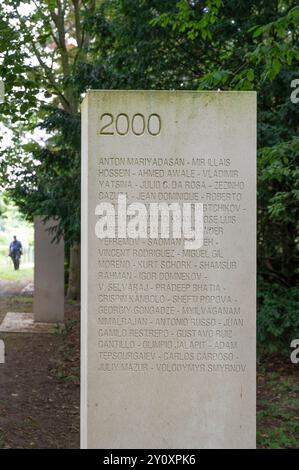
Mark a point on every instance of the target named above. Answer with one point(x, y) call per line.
point(122, 124)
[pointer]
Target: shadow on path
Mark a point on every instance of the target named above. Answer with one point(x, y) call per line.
point(39, 382)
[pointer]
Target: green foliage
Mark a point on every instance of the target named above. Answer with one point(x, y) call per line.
point(156, 44)
point(278, 319)
point(43, 42)
point(278, 44)
point(254, 45)
point(65, 328)
point(278, 213)
point(191, 18)
point(45, 180)
point(277, 413)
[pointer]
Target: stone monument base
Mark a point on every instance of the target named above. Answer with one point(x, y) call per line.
point(16, 322)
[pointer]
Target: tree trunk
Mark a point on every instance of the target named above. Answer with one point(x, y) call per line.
point(73, 291)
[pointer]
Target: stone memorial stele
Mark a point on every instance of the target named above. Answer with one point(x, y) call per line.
point(48, 304)
point(2, 351)
point(168, 312)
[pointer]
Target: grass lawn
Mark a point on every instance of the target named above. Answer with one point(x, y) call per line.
point(8, 273)
point(278, 406)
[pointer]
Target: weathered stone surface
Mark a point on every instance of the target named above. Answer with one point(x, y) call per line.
point(48, 303)
point(2, 352)
point(23, 322)
point(168, 334)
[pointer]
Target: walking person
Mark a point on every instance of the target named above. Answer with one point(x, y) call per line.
point(15, 252)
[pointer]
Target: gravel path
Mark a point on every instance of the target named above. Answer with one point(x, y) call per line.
point(8, 288)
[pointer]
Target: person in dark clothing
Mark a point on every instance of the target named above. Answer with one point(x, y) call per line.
point(15, 252)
